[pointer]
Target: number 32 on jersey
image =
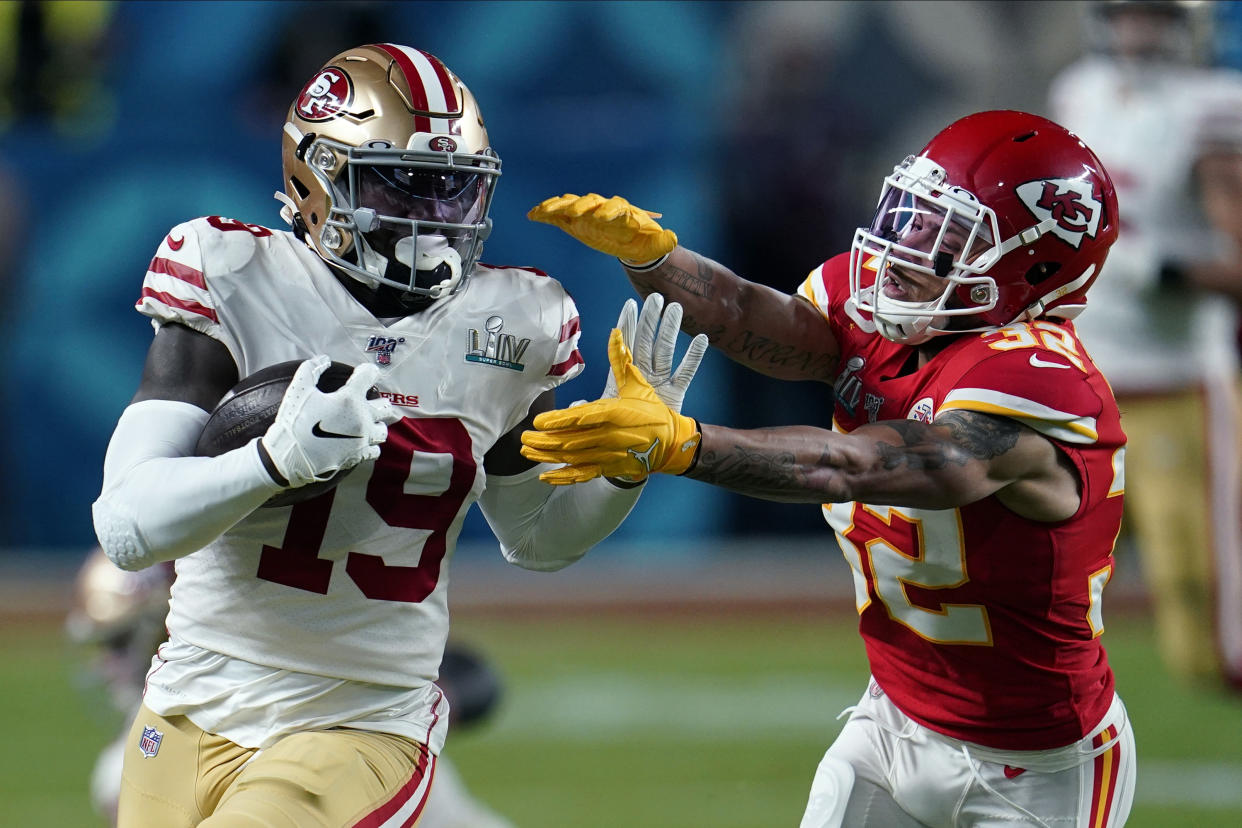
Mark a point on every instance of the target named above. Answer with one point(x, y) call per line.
point(911, 548)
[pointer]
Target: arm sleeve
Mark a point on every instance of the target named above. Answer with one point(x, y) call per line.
point(544, 527)
point(160, 502)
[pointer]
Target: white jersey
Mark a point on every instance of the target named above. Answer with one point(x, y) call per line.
point(1144, 126)
point(352, 585)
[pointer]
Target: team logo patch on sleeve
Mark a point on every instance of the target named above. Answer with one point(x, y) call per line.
point(149, 742)
point(496, 348)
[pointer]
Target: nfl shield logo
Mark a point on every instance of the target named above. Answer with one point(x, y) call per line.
point(149, 742)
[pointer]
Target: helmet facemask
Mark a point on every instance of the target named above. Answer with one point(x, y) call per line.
point(412, 221)
point(919, 268)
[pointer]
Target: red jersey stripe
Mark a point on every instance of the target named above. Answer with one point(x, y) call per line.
point(570, 328)
point(562, 368)
point(180, 304)
point(178, 271)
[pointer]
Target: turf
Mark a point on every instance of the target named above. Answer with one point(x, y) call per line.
point(665, 720)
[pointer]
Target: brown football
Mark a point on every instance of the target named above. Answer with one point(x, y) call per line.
point(249, 408)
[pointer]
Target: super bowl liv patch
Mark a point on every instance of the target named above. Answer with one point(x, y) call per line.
point(491, 347)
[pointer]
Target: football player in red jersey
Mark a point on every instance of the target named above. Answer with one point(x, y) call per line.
point(973, 474)
point(297, 684)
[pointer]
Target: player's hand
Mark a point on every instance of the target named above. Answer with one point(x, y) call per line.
point(630, 436)
point(316, 434)
point(610, 225)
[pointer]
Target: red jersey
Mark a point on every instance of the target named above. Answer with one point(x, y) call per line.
point(981, 624)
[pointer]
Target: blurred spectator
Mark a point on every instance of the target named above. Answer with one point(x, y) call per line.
point(53, 58)
point(1165, 343)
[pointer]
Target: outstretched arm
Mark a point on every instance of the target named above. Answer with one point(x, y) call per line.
point(768, 331)
point(774, 333)
point(962, 457)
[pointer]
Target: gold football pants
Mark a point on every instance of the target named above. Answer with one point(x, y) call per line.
point(1182, 514)
point(177, 775)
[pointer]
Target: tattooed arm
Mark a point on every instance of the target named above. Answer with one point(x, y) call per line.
point(961, 458)
point(773, 333)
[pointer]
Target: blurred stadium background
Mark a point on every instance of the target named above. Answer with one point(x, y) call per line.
point(689, 672)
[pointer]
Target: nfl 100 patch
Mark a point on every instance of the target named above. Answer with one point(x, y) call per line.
point(383, 347)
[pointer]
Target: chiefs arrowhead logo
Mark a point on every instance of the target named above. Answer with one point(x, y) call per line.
point(1071, 202)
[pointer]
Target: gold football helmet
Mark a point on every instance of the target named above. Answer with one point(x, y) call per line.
point(388, 171)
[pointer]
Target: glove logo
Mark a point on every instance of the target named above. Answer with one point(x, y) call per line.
point(644, 457)
point(316, 431)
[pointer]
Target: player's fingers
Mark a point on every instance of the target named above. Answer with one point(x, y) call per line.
point(361, 379)
point(666, 341)
point(568, 475)
point(648, 321)
point(581, 205)
point(690, 362)
point(549, 207)
point(627, 321)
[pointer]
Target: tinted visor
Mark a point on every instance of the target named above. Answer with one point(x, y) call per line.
point(422, 193)
point(927, 227)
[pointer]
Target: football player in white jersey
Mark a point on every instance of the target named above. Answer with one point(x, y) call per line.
point(1167, 345)
point(297, 686)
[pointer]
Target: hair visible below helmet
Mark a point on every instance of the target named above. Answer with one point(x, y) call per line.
point(1013, 212)
point(388, 170)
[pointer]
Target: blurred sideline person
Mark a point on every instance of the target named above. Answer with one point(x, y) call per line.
point(973, 475)
point(297, 684)
point(1167, 345)
point(117, 617)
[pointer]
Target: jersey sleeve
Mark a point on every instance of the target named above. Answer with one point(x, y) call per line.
point(567, 361)
point(827, 287)
point(1037, 374)
point(1042, 390)
point(175, 287)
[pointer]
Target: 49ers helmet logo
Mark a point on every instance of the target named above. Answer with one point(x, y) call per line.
point(327, 95)
point(1071, 202)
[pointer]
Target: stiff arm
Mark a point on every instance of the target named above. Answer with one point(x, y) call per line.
point(962, 457)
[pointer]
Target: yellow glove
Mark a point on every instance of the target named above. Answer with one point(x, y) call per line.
point(629, 436)
point(612, 225)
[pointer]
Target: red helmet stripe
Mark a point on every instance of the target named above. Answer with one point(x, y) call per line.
point(431, 87)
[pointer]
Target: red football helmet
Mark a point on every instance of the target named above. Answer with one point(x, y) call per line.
point(1013, 212)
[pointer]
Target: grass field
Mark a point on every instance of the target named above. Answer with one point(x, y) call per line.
point(658, 719)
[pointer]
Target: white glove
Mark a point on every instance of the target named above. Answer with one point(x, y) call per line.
point(316, 434)
point(654, 345)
